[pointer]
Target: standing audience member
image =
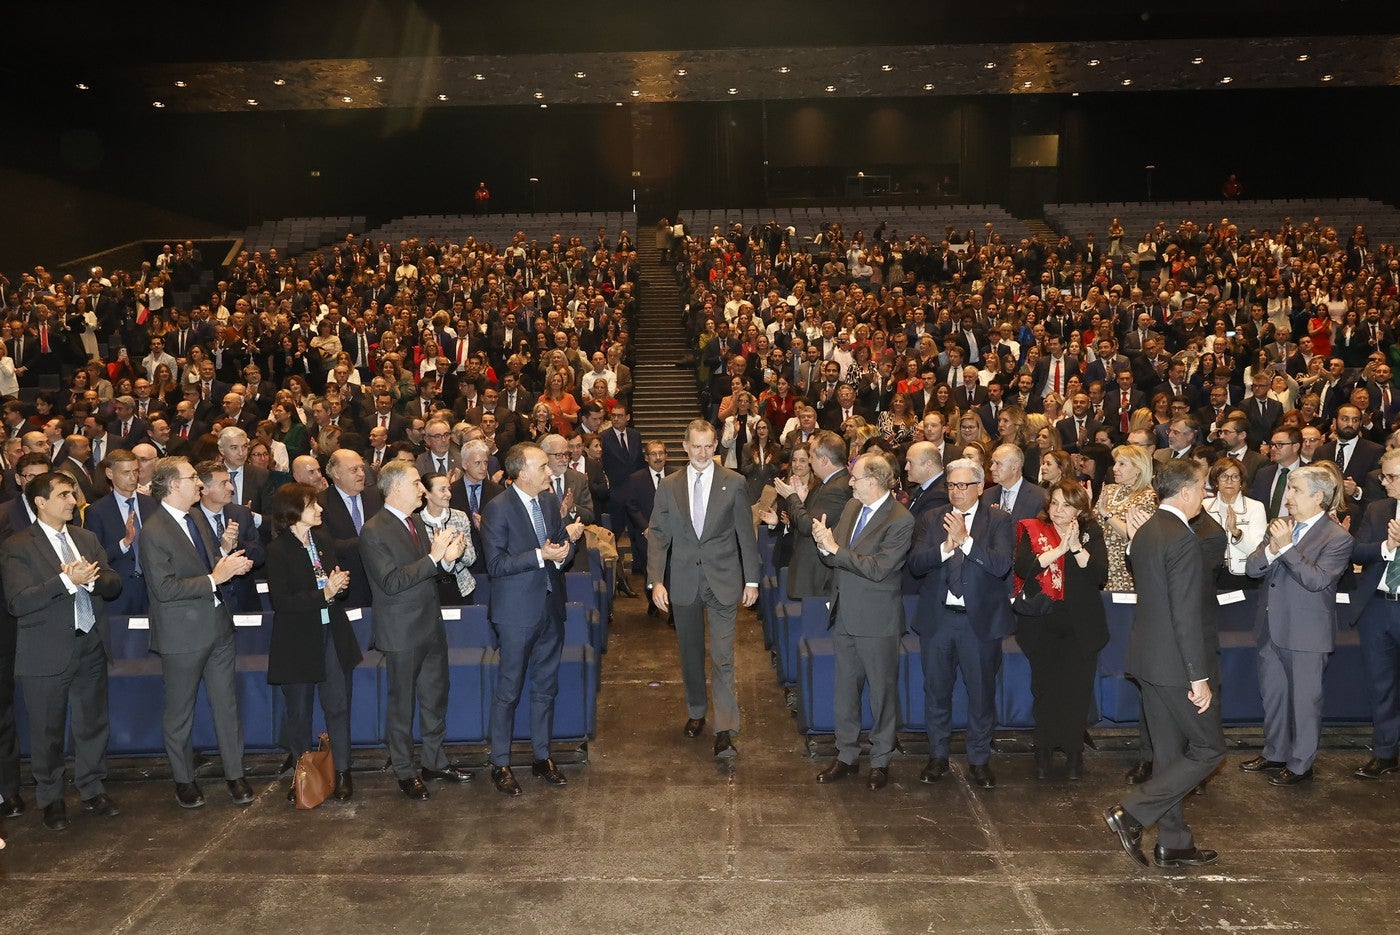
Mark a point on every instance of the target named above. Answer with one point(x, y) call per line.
point(1378, 619)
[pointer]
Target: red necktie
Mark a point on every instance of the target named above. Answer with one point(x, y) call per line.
point(1123, 414)
point(1057, 375)
point(44, 338)
point(413, 531)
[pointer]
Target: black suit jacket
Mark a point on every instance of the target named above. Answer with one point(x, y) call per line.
point(336, 521)
point(1169, 645)
point(461, 500)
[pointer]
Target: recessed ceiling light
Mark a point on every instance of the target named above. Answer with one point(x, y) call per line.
point(990, 65)
point(347, 99)
point(157, 104)
point(928, 87)
point(1198, 60)
point(636, 93)
point(830, 88)
point(479, 77)
point(681, 72)
point(378, 79)
point(1126, 82)
point(180, 84)
point(1226, 80)
point(1074, 94)
point(783, 69)
point(733, 90)
point(82, 87)
point(1094, 63)
point(544, 107)
point(442, 97)
point(618, 104)
point(887, 68)
point(252, 102)
point(1026, 84)
point(580, 74)
point(1327, 77)
point(279, 81)
point(1303, 57)
point(539, 95)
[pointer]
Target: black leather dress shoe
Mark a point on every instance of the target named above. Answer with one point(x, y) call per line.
point(188, 795)
point(1140, 773)
point(1374, 768)
point(344, 786)
point(879, 778)
point(836, 772)
point(12, 808)
point(694, 726)
point(1289, 778)
point(1040, 768)
point(56, 816)
point(982, 776)
point(1183, 857)
point(1129, 832)
point(724, 746)
point(102, 804)
point(413, 788)
point(289, 764)
point(240, 791)
point(451, 774)
point(1074, 764)
point(934, 770)
point(624, 587)
point(202, 764)
point(546, 770)
point(1089, 741)
point(1261, 765)
point(504, 780)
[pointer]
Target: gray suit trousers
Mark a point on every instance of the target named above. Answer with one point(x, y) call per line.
point(1290, 685)
point(861, 661)
point(83, 686)
point(419, 672)
point(690, 635)
point(183, 673)
point(1187, 748)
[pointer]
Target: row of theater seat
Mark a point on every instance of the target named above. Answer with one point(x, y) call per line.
point(796, 633)
point(136, 689)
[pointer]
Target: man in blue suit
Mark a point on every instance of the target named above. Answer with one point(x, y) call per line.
point(1375, 607)
point(963, 553)
point(116, 521)
point(1012, 492)
point(527, 549)
point(234, 529)
point(638, 497)
point(622, 457)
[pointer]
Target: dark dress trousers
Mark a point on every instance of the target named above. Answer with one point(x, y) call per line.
point(1172, 645)
point(194, 638)
point(1377, 617)
point(61, 670)
point(408, 630)
point(527, 611)
point(313, 646)
point(967, 637)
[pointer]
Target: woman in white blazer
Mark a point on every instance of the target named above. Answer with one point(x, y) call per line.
point(1242, 518)
point(743, 414)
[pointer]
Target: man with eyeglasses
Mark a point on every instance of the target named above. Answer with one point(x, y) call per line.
point(437, 459)
point(570, 486)
point(192, 627)
point(1234, 441)
point(1375, 608)
point(866, 549)
point(1271, 482)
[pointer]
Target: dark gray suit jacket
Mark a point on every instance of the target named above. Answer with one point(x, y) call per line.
point(712, 558)
point(403, 581)
point(1168, 644)
point(183, 616)
point(868, 586)
point(1298, 600)
point(808, 575)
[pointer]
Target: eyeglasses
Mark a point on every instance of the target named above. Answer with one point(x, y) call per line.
point(1388, 478)
point(436, 435)
point(1283, 444)
point(963, 485)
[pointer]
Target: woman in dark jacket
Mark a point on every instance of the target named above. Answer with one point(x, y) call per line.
point(1067, 558)
point(313, 646)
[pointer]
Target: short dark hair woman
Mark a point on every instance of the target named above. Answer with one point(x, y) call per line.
point(313, 646)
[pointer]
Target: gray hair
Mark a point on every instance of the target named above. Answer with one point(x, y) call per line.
point(475, 445)
point(979, 474)
point(394, 473)
point(1317, 480)
point(231, 435)
point(1008, 449)
point(166, 473)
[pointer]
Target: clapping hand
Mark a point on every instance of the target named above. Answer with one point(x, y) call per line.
point(566, 505)
point(80, 572)
point(1280, 534)
point(955, 525)
point(1136, 516)
point(336, 582)
point(782, 487)
point(1392, 534)
point(822, 536)
point(768, 517)
point(574, 529)
point(555, 551)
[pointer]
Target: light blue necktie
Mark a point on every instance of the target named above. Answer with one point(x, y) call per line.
point(135, 514)
point(475, 498)
point(356, 516)
point(860, 524)
point(537, 517)
point(1298, 530)
point(697, 505)
point(82, 601)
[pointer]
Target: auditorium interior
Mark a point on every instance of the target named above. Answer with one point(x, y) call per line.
point(669, 167)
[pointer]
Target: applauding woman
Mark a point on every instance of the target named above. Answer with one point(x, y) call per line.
point(1069, 563)
point(313, 646)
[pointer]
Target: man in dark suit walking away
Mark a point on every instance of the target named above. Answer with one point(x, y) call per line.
point(1170, 655)
point(527, 549)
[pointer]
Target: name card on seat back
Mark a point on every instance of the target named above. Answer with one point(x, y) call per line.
point(138, 623)
point(247, 620)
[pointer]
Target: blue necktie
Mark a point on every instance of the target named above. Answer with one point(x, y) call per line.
point(474, 497)
point(1298, 530)
point(537, 517)
point(198, 542)
point(82, 601)
point(356, 516)
point(135, 542)
point(860, 524)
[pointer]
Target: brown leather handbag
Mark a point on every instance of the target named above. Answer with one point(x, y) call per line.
point(314, 778)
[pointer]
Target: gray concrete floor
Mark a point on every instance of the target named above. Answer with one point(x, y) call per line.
point(652, 836)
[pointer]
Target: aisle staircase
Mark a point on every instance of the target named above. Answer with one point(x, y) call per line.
point(664, 399)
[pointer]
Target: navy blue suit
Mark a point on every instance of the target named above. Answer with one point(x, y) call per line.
point(1378, 625)
point(639, 496)
point(527, 610)
point(921, 501)
point(619, 465)
point(968, 639)
point(104, 519)
point(239, 592)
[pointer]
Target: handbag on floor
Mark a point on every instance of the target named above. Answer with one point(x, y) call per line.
point(314, 777)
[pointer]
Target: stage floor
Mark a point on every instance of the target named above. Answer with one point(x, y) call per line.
point(653, 836)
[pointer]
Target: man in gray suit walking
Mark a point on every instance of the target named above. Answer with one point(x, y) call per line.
point(57, 579)
point(191, 626)
point(402, 564)
point(1302, 557)
point(702, 525)
point(1172, 654)
point(866, 549)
